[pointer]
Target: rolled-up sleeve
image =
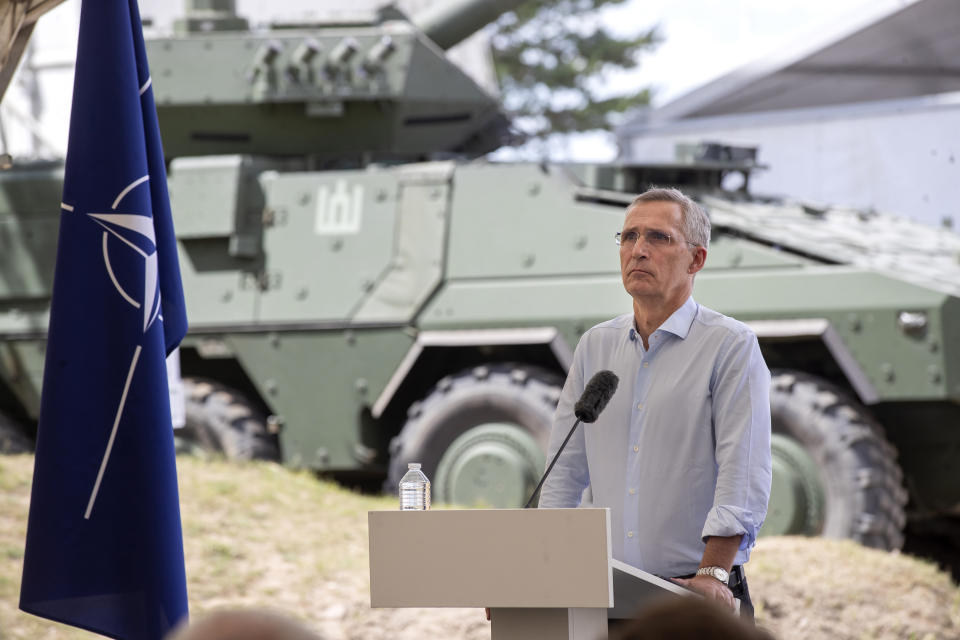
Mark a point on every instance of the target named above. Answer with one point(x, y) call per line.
point(570, 476)
point(741, 425)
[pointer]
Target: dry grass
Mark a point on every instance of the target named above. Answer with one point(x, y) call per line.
point(259, 535)
point(254, 535)
point(815, 588)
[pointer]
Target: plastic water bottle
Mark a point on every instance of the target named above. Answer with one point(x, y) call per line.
point(414, 489)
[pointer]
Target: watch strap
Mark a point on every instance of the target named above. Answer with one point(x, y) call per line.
point(719, 573)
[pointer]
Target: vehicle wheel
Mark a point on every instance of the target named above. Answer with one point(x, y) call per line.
point(834, 473)
point(219, 419)
point(12, 438)
point(480, 435)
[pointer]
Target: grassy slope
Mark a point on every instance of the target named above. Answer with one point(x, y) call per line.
point(260, 535)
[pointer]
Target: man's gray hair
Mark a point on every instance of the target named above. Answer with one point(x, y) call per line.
point(693, 219)
point(243, 624)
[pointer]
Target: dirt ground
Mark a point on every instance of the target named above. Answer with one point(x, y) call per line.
point(261, 536)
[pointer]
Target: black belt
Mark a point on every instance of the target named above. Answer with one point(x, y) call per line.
point(737, 577)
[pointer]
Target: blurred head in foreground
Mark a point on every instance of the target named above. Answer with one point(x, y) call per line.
point(688, 618)
point(243, 625)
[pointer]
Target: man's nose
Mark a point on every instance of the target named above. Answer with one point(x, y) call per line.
point(640, 249)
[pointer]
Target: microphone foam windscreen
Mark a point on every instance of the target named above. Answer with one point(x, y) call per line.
point(596, 395)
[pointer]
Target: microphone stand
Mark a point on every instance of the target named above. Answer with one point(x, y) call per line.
point(552, 462)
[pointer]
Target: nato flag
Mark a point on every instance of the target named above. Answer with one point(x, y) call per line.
point(104, 547)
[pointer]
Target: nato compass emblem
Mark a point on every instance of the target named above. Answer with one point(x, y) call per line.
point(137, 233)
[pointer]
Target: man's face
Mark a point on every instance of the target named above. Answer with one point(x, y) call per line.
point(655, 272)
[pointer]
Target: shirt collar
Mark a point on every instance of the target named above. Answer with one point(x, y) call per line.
point(678, 323)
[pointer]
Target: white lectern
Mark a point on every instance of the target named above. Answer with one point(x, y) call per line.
point(544, 573)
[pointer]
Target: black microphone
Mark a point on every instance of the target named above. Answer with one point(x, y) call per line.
point(592, 401)
point(595, 396)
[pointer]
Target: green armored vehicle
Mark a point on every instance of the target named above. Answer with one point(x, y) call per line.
point(365, 292)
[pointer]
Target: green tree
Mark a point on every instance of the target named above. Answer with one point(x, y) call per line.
point(553, 58)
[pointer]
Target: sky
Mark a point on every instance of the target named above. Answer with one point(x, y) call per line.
point(702, 39)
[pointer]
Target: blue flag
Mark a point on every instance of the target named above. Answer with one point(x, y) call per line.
point(104, 546)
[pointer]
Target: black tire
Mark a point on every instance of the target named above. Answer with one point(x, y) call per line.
point(521, 395)
point(220, 420)
point(861, 480)
point(12, 437)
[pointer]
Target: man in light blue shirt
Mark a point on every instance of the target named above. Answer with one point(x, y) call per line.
point(681, 454)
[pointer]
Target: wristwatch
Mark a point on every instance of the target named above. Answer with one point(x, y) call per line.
point(719, 573)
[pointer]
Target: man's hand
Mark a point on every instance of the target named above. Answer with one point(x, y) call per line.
point(710, 588)
point(719, 552)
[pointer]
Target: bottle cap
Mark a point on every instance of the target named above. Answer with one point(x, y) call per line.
point(413, 466)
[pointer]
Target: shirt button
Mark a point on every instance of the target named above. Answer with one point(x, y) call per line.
point(636, 448)
point(646, 364)
point(629, 534)
point(639, 405)
point(633, 491)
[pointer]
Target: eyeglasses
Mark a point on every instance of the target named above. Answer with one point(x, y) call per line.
point(652, 237)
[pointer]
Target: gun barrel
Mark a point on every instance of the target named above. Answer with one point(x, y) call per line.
point(451, 21)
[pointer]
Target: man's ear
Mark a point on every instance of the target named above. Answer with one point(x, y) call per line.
point(699, 259)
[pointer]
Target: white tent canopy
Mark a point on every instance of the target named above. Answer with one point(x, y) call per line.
point(897, 49)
